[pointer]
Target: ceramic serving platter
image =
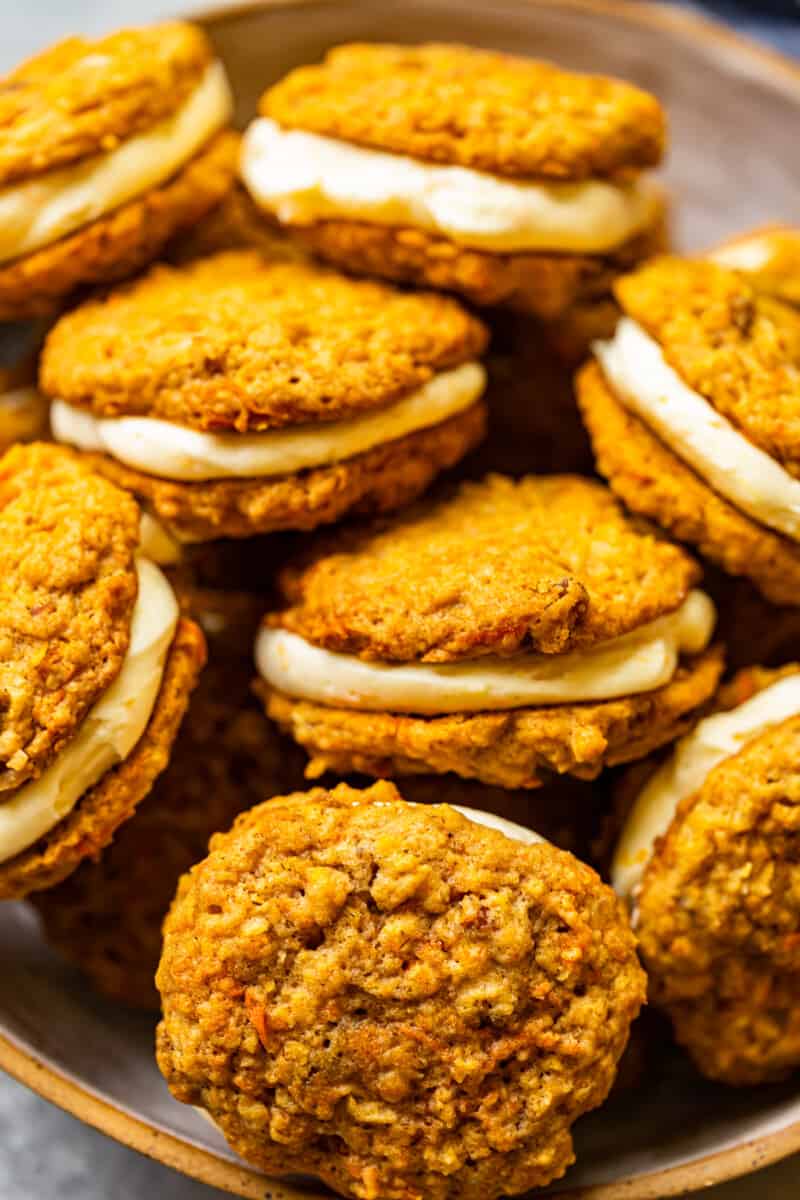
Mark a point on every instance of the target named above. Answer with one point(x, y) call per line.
point(735, 112)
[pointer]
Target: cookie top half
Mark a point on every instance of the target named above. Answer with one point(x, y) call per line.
point(234, 342)
point(67, 589)
point(737, 347)
point(474, 108)
point(82, 97)
point(546, 564)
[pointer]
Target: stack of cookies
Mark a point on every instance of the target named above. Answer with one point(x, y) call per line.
point(262, 454)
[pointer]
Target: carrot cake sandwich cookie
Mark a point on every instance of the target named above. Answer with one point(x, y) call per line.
point(238, 396)
point(693, 408)
point(503, 179)
point(106, 917)
point(512, 630)
point(770, 257)
point(96, 665)
point(709, 860)
point(399, 999)
point(109, 148)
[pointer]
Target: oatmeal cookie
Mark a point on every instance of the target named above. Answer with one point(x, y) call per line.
point(393, 997)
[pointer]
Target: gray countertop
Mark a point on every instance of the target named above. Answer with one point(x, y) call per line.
point(44, 1153)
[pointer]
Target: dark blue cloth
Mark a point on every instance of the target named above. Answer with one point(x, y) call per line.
point(776, 22)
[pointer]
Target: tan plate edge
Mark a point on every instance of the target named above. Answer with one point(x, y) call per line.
point(130, 1131)
point(241, 1180)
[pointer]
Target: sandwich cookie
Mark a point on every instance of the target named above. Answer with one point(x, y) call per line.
point(237, 396)
point(693, 409)
point(708, 859)
point(106, 917)
point(96, 666)
point(393, 997)
point(515, 629)
point(110, 147)
point(503, 179)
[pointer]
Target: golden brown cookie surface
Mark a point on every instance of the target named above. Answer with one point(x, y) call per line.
point(473, 108)
point(347, 944)
point(379, 480)
point(121, 242)
point(519, 748)
point(650, 478)
point(737, 347)
point(67, 590)
point(234, 342)
point(541, 563)
point(81, 98)
point(542, 284)
point(719, 916)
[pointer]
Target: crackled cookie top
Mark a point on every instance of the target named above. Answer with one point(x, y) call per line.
point(82, 98)
point(343, 974)
point(233, 342)
point(473, 108)
point(547, 564)
point(67, 591)
point(738, 348)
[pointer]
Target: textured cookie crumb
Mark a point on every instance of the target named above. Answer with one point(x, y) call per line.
point(67, 591)
point(549, 564)
point(454, 104)
point(83, 97)
point(394, 998)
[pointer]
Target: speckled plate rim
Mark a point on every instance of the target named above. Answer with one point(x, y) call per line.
point(239, 1179)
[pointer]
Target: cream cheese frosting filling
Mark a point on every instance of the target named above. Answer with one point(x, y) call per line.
point(517, 833)
point(42, 210)
point(756, 483)
point(305, 177)
point(639, 661)
point(752, 253)
point(694, 757)
point(110, 730)
point(175, 452)
point(157, 543)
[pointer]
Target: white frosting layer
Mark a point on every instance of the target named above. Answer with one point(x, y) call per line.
point(157, 543)
point(42, 210)
point(517, 833)
point(110, 730)
point(713, 740)
point(304, 177)
point(638, 662)
point(637, 371)
point(175, 452)
point(751, 253)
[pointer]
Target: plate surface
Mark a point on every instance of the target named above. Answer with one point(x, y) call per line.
point(734, 112)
